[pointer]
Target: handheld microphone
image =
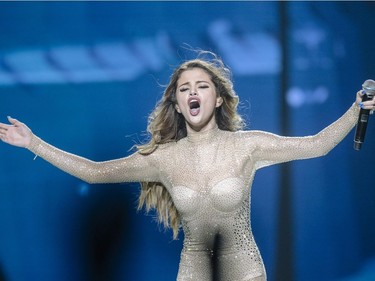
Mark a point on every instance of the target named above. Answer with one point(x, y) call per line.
point(369, 88)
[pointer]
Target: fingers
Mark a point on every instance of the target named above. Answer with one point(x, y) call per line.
point(360, 96)
point(16, 133)
point(3, 132)
point(369, 104)
point(13, 121)
point(5, 129)
point(5, 126)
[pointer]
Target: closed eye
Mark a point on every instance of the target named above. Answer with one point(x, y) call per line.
point(203, 87)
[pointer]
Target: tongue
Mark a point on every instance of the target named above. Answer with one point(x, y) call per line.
point(194, 111)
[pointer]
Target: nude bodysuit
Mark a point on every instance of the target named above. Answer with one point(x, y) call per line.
point(209, 176)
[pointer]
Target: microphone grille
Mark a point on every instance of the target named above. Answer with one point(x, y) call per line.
point(369, 87)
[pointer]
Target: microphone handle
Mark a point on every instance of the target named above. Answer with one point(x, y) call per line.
point(360, 132)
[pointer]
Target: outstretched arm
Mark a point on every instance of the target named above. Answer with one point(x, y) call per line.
point(133, 168)
point(271, 149)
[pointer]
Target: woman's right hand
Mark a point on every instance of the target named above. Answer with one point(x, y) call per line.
point(16, 133)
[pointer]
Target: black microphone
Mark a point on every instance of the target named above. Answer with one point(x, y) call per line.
point(369, 88)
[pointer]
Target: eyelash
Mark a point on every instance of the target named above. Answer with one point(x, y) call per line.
point(200, 87)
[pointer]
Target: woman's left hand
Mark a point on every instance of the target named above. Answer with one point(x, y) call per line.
point(369, 104)
point(16, 133)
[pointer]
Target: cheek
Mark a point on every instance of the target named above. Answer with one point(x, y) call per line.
point(177, 108)
point(177, 103)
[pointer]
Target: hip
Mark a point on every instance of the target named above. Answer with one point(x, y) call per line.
point(228, 265)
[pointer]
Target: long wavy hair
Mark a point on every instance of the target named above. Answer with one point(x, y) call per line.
point(166, 125)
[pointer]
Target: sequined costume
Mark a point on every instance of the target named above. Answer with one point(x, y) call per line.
point(209, 176)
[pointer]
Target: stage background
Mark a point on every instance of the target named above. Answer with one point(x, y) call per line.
point(85, 75)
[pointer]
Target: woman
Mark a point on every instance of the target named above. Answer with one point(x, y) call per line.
point(198, 168)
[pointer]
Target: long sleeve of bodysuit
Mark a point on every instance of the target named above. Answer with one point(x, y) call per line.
point(134, 168)
point(266, 149)
point(272, 149)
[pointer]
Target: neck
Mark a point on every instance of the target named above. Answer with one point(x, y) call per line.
point(204, 134)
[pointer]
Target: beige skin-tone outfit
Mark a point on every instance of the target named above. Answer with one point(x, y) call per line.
point(209, 176)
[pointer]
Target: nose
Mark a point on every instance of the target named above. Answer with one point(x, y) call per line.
point(193, 92)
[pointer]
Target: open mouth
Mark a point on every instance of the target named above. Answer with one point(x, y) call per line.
point(194, 105)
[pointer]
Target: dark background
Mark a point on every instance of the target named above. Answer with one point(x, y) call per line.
point(85, 75)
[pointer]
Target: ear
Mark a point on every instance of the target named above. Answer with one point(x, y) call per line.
point(219, 101)
point(177, 108)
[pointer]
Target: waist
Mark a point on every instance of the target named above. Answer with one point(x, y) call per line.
point(222, 250)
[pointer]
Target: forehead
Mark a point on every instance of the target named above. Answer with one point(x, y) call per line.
point(193, 74)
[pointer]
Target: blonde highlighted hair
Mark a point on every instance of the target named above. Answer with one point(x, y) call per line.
point(166, 125)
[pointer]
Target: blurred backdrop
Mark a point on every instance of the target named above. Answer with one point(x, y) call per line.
point(85, 75)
